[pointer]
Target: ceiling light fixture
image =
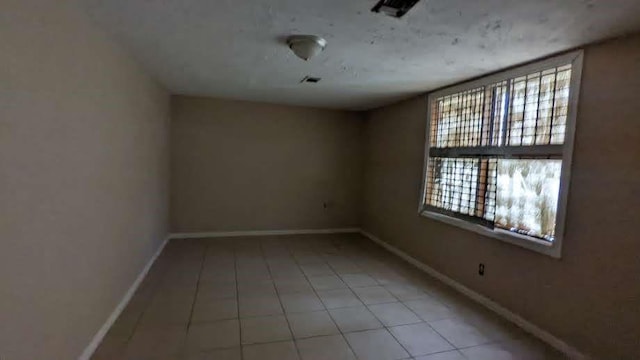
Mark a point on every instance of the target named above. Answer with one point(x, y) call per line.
point(306, 46)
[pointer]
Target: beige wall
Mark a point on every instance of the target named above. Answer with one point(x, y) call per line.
point(248, 166)
point(83, 178)
point(590, 298)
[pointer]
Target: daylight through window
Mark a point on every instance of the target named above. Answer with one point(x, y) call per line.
point(495, 152)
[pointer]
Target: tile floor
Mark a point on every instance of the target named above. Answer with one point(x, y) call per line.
point(303, 297)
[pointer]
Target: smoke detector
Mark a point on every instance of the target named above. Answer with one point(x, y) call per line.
point(306, 46)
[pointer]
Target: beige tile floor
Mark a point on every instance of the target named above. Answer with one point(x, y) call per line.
point(303, 297)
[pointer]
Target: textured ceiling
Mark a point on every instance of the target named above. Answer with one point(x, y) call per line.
point(235, 48)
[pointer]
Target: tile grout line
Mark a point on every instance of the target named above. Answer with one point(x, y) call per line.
point(423, 321)
point(284, 313)
point(195, 297)
point(139, 319)
point(528, 330)
point(183, 349)
point(342, 334)
point(388, 328)
point(384, 326)
point(235, 270)
point(426, 322)
point(366, 307)
point(288, 249)
point(455, 348)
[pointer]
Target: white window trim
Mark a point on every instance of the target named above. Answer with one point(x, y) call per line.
point(553, 249)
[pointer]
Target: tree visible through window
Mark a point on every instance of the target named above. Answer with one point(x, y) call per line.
point(495, 152)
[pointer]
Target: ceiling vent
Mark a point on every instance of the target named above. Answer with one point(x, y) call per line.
point(310, 79)
point(395, 8)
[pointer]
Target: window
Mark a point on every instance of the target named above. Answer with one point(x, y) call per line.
point(498, 153)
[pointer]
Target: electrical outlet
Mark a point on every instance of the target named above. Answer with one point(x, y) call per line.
point(481, 269)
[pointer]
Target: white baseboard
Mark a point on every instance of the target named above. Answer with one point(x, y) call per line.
point(217, 234)
point(524, 324)
point(97, 339)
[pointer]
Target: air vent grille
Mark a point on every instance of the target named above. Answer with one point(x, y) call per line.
point(310, 79)
point(395, 8)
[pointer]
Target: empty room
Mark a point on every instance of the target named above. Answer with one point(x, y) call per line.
point(319, 180)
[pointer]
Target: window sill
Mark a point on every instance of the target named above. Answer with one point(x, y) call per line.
point(528, 242)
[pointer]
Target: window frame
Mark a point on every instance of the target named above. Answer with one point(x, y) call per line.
point(553, 249)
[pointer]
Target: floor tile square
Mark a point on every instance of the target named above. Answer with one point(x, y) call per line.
point(497, 329)
point(174, 293)
point(111, 347)
point(213, 310)
point(126, 323)
point(355, 319)
point(374, 295)
point(339, 298)
point(265, 329)
point(215, 291)
point(447, 355)
point(287, 273)
point(376, 345)
point(312, 324)
point(319, 269)
point(161, 313)
point(220, 354)
point(259, 306)
point(292, 285)
point(329, 282)
point(393, 314)
point(156, 342)
point(405, 292)
point(213, 335)
point(420, 339)
point(272, 351)
point(430, 310)
point(492, 352)
point(512, 350)
point(217, 275)
point(345, 267)
point(259, 288)
point(301, 302)
point(358, 280)
point(460, 333)
point(251, 274)
point(325, 348)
